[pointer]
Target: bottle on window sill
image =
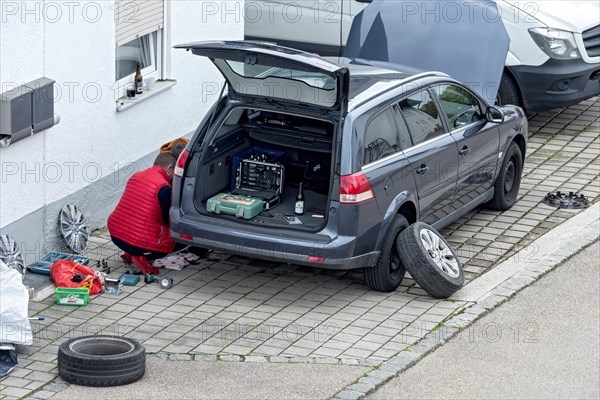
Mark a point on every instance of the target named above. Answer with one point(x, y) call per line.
point(139, 80)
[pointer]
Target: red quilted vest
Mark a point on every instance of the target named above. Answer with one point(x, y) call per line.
point(138, 220)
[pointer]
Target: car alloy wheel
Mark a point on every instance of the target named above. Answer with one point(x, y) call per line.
point(430, 260)
point(440, 253)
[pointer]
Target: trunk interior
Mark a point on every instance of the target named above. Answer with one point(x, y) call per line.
point(303, 146)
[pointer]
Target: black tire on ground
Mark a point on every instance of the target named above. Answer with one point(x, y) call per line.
point(508, 92)
point(508, 182)
point(388, 273)
point(419, 247)
point(101, 361)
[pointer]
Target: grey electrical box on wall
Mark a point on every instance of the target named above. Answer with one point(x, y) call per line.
point(26, 110)
point(42, 103)
point(15, 114)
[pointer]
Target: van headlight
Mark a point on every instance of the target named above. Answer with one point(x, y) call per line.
point(556, 43)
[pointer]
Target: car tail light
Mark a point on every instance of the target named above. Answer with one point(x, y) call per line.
point(186, 237)
point(181, 161)
point(355, 189)
point(316, 259)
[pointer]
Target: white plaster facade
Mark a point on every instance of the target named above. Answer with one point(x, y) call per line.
point(73, 42)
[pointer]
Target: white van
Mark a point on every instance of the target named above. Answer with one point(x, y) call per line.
point(553, 61)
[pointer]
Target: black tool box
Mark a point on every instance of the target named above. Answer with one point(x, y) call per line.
point(260, 173)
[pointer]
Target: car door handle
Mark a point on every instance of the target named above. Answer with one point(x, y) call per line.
point(465, 151)
point(422, 169)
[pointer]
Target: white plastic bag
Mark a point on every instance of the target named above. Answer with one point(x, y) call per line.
point(177, 260)
point(14, 301)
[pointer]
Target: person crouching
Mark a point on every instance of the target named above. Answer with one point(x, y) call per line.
point(139, 225)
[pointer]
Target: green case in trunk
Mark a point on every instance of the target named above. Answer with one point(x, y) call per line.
point(232, 204)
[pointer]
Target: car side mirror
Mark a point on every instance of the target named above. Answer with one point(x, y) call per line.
point(494, 115)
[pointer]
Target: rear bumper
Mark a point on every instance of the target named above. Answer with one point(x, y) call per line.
point(557, 83)
point(336, 253)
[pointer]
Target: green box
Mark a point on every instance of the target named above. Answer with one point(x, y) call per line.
point(72, 296)
point(245, 207)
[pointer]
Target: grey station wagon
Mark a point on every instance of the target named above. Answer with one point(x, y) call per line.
point(377, 147)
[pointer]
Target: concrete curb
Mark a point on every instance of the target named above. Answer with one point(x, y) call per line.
point(556, 246)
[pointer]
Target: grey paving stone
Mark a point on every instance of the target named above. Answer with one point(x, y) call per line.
point(297, 351)
point(19, 372)
point(256, 359)
point(14, 392)
point(40, 376)
point(56, 386)
point(14, 381)
point(326, 360)
point(349, 395)
point(380, 374)
point(180, 357)
point(34, 385)
point(41, 366)
point(205, 357)
point(358, 353)
point(43, 394)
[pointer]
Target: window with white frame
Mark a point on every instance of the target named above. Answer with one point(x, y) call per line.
point(140, 39)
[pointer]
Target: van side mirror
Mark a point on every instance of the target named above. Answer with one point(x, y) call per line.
point(494, 115)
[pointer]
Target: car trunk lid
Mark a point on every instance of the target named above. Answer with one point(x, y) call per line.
point(264, 71)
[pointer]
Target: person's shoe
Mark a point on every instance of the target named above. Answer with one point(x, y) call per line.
point(126, 257)
point(144, 265)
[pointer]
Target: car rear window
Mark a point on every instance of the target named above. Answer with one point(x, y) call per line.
point(314, 79)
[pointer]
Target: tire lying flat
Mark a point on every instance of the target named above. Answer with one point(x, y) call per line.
point(101, 361)
point(430, 260)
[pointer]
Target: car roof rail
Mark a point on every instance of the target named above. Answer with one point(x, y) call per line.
point(393, 85)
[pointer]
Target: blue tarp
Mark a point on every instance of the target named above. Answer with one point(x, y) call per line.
point(464, 39)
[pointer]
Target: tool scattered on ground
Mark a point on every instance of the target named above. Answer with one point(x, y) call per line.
point(43, 266)
point(113, 286)
point(102, 266)
point(138, 265)
point(164, 283)
point(562, 200)
point(129, 279)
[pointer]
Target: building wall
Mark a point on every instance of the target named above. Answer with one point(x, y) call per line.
point(89, 155)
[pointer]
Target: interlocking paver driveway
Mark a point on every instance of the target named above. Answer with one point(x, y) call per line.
point(240, 306)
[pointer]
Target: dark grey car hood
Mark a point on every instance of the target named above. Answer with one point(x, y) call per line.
point(466, 40)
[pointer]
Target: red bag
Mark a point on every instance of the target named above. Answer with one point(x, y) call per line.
point(63, 271)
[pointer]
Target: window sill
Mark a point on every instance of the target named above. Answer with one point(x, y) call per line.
point(160, 86)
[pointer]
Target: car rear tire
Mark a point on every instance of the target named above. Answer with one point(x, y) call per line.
point(430, 260)
point(388, 273)
point(508, 182)
point(199, 251)
point(101, 361)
